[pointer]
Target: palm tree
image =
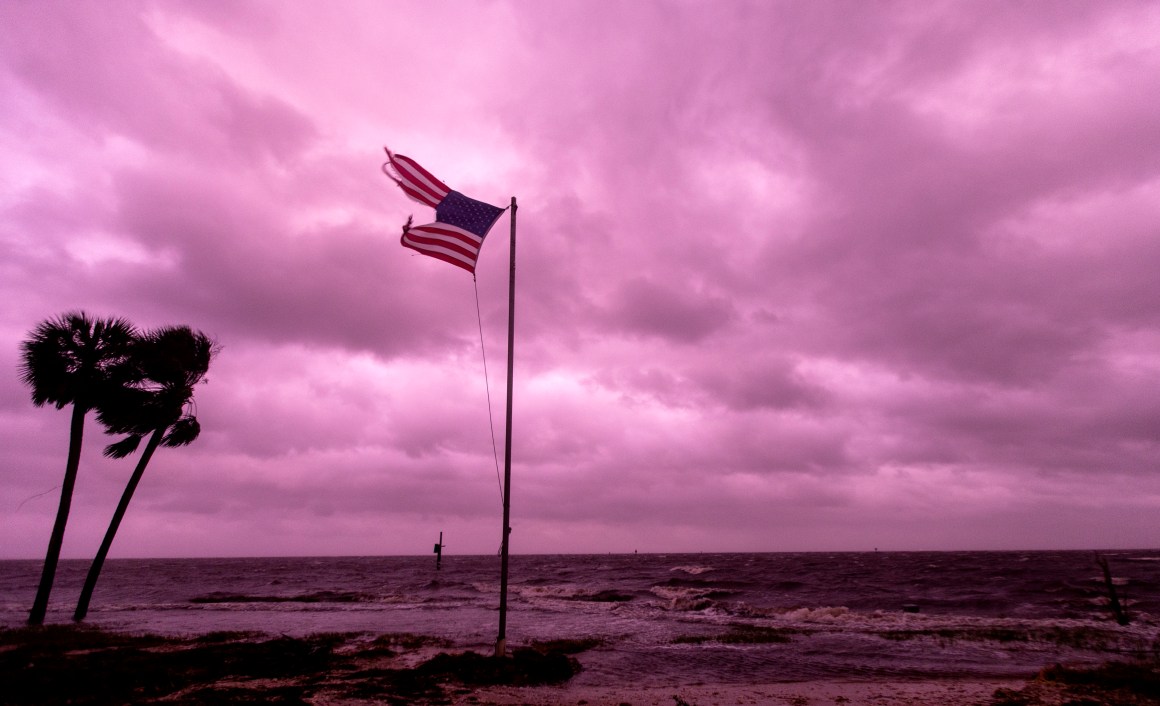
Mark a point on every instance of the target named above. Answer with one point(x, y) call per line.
point(172, 361)
point(79, 361)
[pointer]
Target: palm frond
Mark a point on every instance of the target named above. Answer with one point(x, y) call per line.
point(176, 355)
point(71, 358)
point(166, 363)
point(128, 410)
point(183, 432)
point(124, 447)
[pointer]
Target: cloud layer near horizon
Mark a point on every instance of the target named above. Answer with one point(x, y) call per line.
point(792, 276)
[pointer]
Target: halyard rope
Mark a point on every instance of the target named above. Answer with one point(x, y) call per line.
point(487, 387)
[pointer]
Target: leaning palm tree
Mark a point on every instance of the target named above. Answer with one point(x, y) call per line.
point(79, 361)
point(172, 361)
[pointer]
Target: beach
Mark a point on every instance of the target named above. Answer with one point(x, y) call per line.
point(847, 693)
point(855, 628)
point(78, 665)
point(1116, 683)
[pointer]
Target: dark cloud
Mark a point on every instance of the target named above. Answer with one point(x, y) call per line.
point(644, 308)
point(789, 276)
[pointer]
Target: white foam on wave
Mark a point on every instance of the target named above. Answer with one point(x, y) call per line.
point(683, 597)
point(1116, 580)
point(669, 592)
point(692, 569)
point(820, 614)
point(560, 591)
point(841, 619)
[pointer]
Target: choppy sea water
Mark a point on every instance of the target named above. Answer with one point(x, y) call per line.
point(662, 619)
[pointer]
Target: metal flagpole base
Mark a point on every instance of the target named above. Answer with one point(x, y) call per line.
point(501, 648)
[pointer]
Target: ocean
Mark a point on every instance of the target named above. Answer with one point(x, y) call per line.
point(659, 619)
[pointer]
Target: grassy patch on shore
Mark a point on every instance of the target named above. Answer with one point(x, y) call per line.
point(85, 666)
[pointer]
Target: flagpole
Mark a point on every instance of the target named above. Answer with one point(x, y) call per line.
point(501, 640)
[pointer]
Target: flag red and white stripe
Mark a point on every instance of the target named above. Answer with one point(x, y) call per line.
point(417, 182)
point(461, 223)
point(445, 242)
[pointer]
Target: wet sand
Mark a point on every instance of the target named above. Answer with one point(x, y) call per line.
point(843, 693)
point(1134, 684)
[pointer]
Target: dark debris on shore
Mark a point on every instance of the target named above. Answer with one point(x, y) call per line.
point(1135, 683)
point(88, 667)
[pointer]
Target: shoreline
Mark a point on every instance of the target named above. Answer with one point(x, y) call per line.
point(85, 665)
point(863, 692)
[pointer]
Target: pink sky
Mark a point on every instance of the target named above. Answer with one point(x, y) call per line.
point(792, 276)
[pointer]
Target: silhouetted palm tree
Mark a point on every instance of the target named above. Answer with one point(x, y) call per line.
point(171, 361)
point(79, 361)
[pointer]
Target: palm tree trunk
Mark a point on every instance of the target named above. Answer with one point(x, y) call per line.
point(99, 561)
point(48, 574)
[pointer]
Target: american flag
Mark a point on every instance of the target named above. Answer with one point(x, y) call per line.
point(460, 224)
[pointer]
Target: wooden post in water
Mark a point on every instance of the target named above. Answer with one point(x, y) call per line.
point(1118, 611)
point(501, 640)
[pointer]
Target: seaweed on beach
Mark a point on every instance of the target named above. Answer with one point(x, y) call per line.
point(389, 644)
point(1121, 683)
point(525, 667)
point(1139, 678)
point(227, 636)
point(430, 681)
point(76, 665)
point(87, 666)
point(264, 694)
point(58, 664)
point(397, 687)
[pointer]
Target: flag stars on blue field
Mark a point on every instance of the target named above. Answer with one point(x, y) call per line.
point(460, 222)
point(466, 213)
